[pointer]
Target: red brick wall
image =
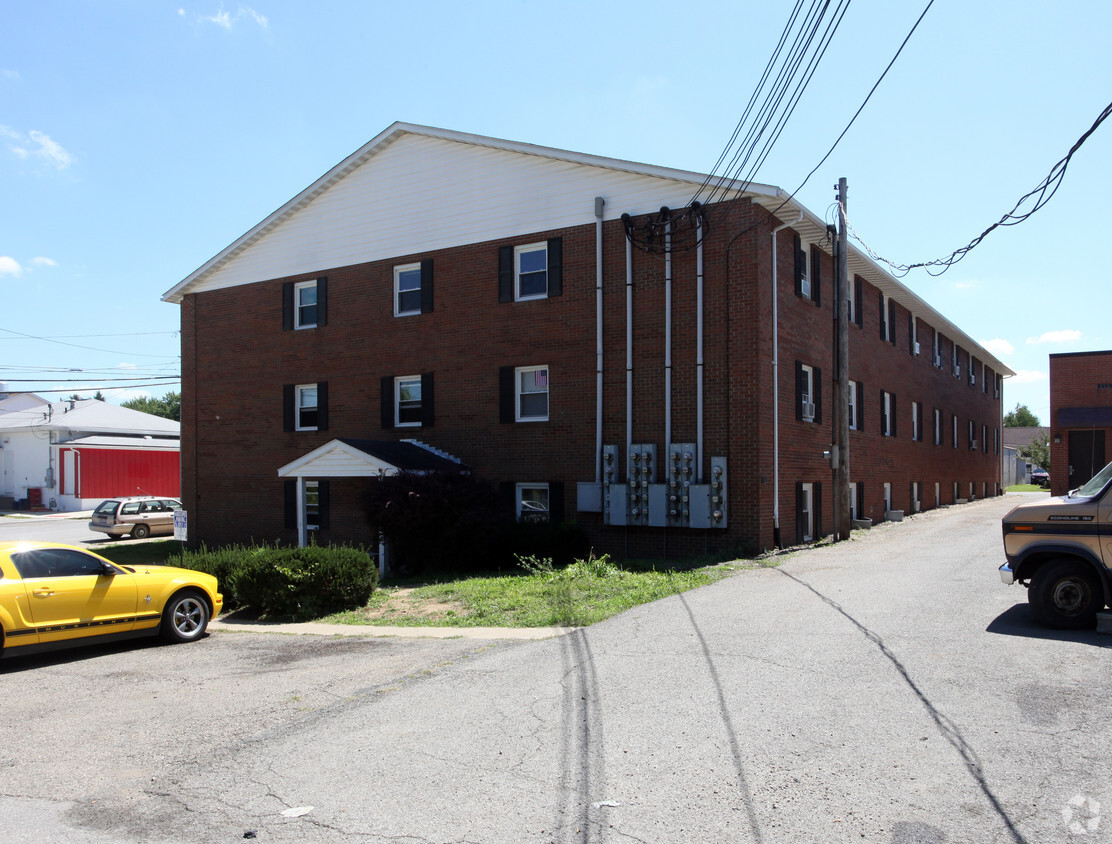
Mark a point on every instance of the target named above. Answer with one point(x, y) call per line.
point(236, 359)
point(1082, 379)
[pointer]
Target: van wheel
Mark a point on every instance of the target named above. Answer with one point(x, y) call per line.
point(140, 532)
point(1066, 594)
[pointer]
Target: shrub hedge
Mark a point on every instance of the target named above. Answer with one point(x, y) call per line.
point(297, 583)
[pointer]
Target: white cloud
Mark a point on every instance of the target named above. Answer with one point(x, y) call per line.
point(1029, 376)
point(40, 261)
point(1067, 335)
point(37, 145)
point(10, 266)
point(998, 346)
point(227, 20)
point(13, 75)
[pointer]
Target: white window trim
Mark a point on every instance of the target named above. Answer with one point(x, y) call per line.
point(853, 409)
point(522, 487)
point(915, 433)
point(937, 426)
point(853, 514)
point(808, 514)
point(518, 251)
point(805, 281)
point(954, 429)
point(887, 497)
point(808, 397)
point(297, 288)
point(398, 270)
point(398, 381)
point(518, 371)
point(298, 406)
point(886, 418)
point(305, 503)
point(885, 321)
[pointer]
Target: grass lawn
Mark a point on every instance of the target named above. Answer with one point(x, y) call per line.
point(1026, 488)
point(576, 596)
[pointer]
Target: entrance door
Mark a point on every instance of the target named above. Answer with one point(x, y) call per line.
point(1086, 450)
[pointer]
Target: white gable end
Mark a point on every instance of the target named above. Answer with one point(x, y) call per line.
point(418, 193)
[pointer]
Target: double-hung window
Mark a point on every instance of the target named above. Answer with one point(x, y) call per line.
point(937, 426)
point(305, 304)
point(854, 409)
point(916, 421)
point(532, 393)
point(312, 505)
point(887, 414)
point(306, 407)
point(533, 504)
point(407, 401)
point(808, 392)
point(531, 271)
point(413, 288)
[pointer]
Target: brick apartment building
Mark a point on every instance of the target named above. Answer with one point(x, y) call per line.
point(659, 371)
point(1080, 417)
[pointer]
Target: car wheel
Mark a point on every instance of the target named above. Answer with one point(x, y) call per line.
point(140, 531)
point(1066, 594)
point(185, 618)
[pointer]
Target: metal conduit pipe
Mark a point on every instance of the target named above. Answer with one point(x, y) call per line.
point(629, 344)
point(699, 347)
point(776, 390)
point(667, 326)
point(599, 204)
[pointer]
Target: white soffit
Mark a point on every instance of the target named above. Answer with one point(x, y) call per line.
point(337, 459)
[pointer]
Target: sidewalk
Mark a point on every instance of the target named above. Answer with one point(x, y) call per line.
point(315, 628)
point(46, 514)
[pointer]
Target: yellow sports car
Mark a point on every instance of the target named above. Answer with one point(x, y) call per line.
point(52, 594)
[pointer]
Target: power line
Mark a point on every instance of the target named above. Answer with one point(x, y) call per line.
point(87, 348)
point(1041, 195)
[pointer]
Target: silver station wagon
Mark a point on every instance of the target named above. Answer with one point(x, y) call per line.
point(138, 517)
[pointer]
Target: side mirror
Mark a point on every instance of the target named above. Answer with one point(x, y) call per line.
point(109, 570)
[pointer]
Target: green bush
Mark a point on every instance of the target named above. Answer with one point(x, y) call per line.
point(298, 583)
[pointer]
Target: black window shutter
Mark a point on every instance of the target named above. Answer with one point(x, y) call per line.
point(506, 394)
point(556, 502)
point(322, 301)
point(859, 317)
point(911, 333)
point(426, 287)
point(387, 401)
point(322, 504)
point(505, 274)
point(800, 265)
point(799, 512)
point(507, 492)
point(290, 509)
point(860, 406)
point(556, 266)
point(885, 428)
point(816, 376)
point(892, 322)
point(919, 420)
point(428, 414)
point(287, 306)
point(861, 501)
point(816, 509)
point(322, 405)
point(800, 389)
point(895, 415)
point(287, 407)
point(816, 275)
point(883, 320)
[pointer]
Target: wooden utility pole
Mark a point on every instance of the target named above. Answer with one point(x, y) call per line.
point(845, 290)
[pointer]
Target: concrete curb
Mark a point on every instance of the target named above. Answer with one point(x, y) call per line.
point(313, 628)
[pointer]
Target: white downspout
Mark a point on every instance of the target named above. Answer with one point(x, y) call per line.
point(776, 389)
point(667, 330)
point(699, 350)
point(599, 203)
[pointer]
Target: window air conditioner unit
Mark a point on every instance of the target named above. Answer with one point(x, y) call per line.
point(916, 347)
point(957, 371)
point(973, 445)
point(808, 411)
point(938, 360)
point(805, 286)
point(972, 377)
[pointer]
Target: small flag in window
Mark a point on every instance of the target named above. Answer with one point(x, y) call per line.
point(540, 378)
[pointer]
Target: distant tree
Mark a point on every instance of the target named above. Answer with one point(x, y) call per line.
point(75, 397)
point(1037, 453)
point(99, 396)
point(168, 407)
point(1021, 417)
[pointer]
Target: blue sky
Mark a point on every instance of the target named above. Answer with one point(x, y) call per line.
point(138, 138)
